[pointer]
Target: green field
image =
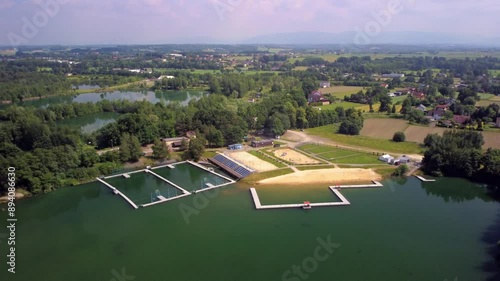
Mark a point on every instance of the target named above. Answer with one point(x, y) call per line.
point(253, 178)
point(366, 142)
point(343, 104)
point(339, 155)
point(341, 91)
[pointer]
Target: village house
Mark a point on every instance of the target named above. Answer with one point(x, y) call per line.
point(439, 111)
point(422, 108)
point(324, 84)
point(316, 97)
point(386, 158)
point(393, 75)
point(419, 95)
point(461, 119)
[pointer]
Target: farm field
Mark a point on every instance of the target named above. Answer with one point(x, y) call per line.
point(343, 104)
point(341, 91)
point(418, 134)
point(383, 128)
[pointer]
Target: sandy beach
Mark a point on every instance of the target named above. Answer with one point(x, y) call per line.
point(327, 176)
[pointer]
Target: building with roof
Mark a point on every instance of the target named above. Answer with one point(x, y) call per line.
point(461, 119)
point(324, 84)
point(386, 158)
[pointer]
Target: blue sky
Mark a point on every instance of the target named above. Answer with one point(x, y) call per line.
point(172, 21)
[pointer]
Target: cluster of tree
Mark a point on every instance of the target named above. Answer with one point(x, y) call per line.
point(458, 153)
point(20, 85)
point(352, 122)
point(46, 156)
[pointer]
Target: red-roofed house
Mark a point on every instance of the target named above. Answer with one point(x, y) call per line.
point(317, 96)
point(384, 85)
point(461, 119)
point(419, 95)
point(439, 111)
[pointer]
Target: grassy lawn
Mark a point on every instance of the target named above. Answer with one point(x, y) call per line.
point(301, 68)
point(267, 159)
point(361, 158)
point(209, 154)
point(484, 96)
point(266, 175)
point(341, 156)
point(320, 167)
point(343, 104)
point(341, 91)
point(366, 142)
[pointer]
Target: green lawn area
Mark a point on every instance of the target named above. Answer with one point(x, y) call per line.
point(301, 68)
point(343, 104)
point(366, 142)
point(266, 175)
point(267, 159)
point(485, 96)
point(341, 91)
point(495, 72)
point(339, 155)
point(320, 167)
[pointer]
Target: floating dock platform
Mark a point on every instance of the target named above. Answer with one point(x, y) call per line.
point(116, 191)
point(374, 185)
point(259, 206)
point(424, 179)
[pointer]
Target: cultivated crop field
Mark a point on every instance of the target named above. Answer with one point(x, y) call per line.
point(383, 128)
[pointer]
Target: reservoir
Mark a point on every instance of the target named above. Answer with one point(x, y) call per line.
point(407, 230)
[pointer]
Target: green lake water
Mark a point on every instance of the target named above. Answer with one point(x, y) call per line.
point(167, 96)
point(90, 123)
point(406, 231)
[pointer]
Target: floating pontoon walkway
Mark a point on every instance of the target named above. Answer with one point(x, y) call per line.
point(162, 199)
point(116, 191)
point(259, 206)
point(167, 181)
point(424, 180)
point(374, 185)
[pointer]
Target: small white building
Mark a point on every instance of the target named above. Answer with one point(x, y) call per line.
point(166, 77)
point(403, 160)
point(386, 158)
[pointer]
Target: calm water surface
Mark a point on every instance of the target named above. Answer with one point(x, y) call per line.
point(167, 96)
point(408, 230)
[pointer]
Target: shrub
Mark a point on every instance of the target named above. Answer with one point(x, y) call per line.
point(399, 137)
point(401, 170)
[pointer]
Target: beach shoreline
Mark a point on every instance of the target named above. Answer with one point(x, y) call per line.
point(334, 176)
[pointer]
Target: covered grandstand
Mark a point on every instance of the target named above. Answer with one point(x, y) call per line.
point(231, 166)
